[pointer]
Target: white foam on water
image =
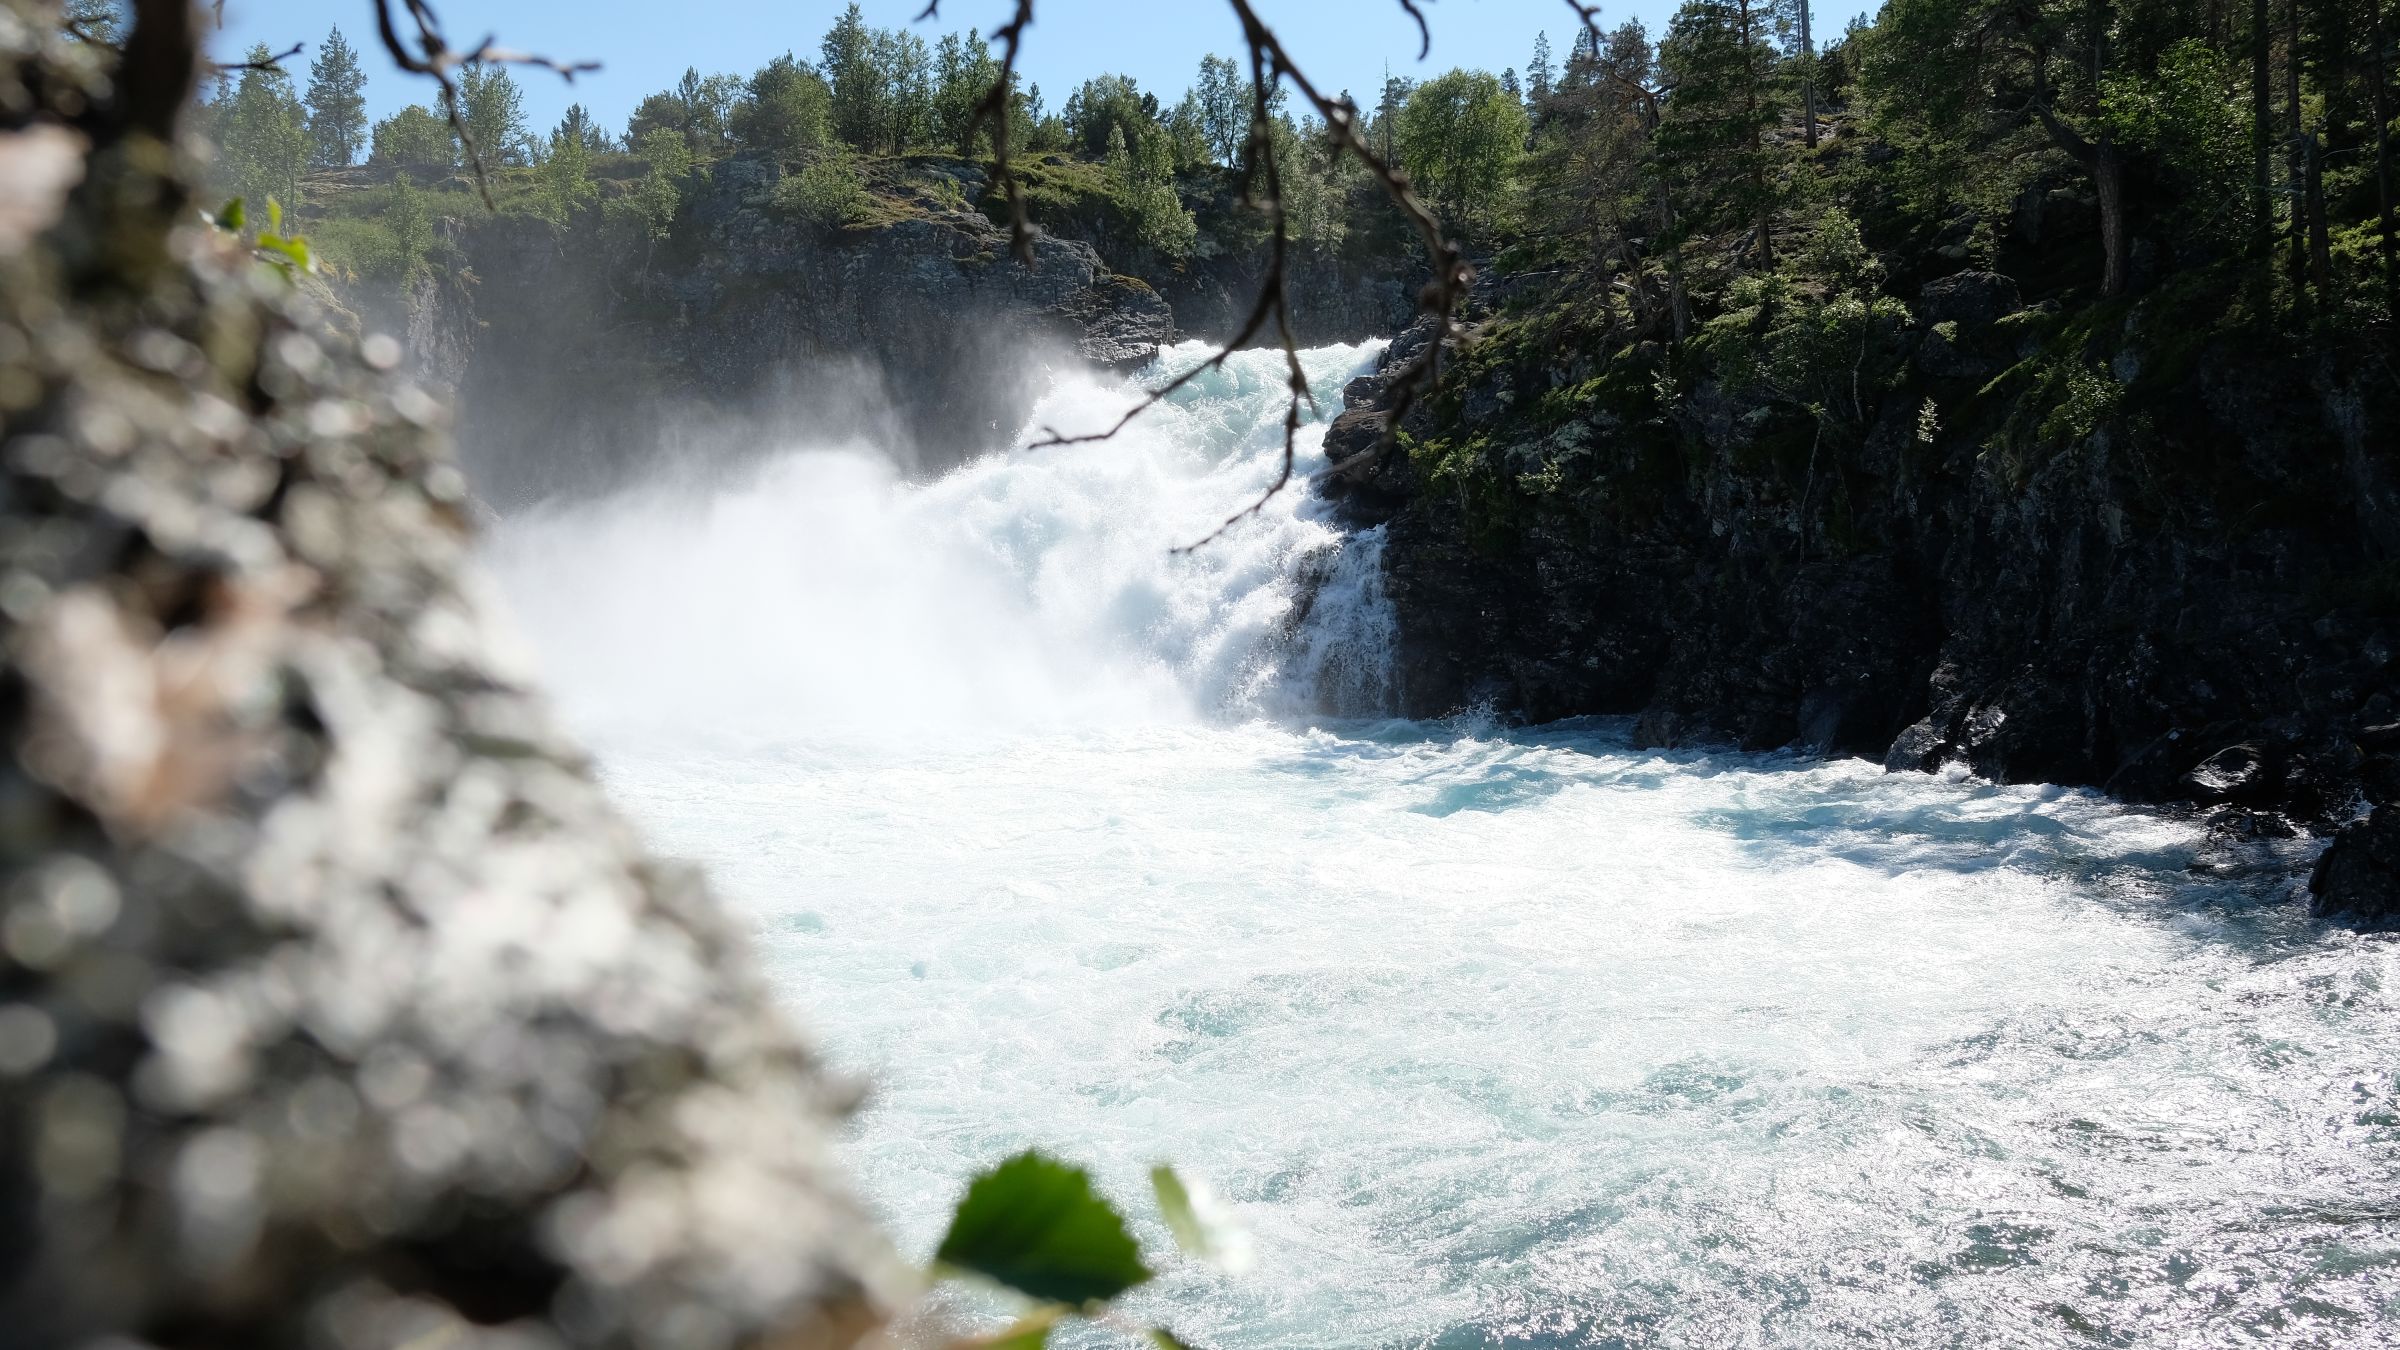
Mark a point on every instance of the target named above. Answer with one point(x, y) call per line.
point(1494, 1038)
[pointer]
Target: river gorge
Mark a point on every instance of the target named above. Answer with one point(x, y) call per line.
point(1493, 1035)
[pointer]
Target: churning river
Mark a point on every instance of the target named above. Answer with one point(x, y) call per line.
point(1492, 1037)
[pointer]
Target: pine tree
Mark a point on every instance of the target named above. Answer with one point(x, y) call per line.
point(963, 73)
point(337, 105)
point(263, 136)
point(1712, 142)
point(849, 67)
point(1538, 73)
point(579, 122)
point(1387, 117)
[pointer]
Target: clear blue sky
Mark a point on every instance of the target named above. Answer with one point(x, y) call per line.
point(644, 45)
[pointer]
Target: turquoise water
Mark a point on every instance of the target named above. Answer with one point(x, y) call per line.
point(1491, 1037)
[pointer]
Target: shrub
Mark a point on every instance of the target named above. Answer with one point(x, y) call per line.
point(829, 193)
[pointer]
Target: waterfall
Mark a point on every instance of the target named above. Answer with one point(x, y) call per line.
point(1342, 659)
point(1494, 1037)
point(1039, 586)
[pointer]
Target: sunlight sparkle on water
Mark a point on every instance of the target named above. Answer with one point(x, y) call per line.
point(1494, 1037)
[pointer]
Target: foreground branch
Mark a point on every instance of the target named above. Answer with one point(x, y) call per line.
point(434, 58)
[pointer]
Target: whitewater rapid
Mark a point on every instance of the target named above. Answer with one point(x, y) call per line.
point(1493, 1037)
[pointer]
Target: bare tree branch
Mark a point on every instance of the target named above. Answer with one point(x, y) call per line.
point(274, 62)
point(1270, 66)
point(434, 57)
point(994, 113)
point(158, 71)
point(1424, 33)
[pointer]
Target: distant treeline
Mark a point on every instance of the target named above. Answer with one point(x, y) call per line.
point(2201, 128)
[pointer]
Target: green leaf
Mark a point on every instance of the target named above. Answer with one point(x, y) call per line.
point(1175, 1205)
point(1036, 1225)
point(1200, 1226)
point(294, 250)
point(274, 216)
point(1167, 1340)
point(230, 215)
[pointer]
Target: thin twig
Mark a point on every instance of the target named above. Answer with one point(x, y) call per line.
point(1270, 65)
point(993, 112)
point(1424, 33)
point(436, 59)
point(274, 62)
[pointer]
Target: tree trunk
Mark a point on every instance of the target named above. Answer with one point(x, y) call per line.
point(1758, 148)
point(2098, 157)
point(161, 66)
point(2380, 83)
point(2116, 244)
point(2295, 172)
point(2262, 130)
point(2320, 243)
point(1808, 82)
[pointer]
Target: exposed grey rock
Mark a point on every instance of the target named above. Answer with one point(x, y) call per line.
point(583, 357)
point(2171, 607)
point(1972, 299)
point(338, 1008)
point(2358, 876)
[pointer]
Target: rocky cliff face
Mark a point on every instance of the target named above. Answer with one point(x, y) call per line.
point(580, 357)
point(337, 1007)
point(2186, 598)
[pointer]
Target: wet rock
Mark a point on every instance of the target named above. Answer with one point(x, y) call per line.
point(2358, 876)
point(1969, 299)
point(2167, 608)
point(2227, 774)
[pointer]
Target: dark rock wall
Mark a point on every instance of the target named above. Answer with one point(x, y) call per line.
point(2192, 601)
point(582, 357)
point(746, 330)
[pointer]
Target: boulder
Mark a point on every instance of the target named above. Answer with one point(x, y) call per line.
point(338, 1007)
point(2357, 878)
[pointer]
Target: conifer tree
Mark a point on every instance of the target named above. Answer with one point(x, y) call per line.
point(337, 105)
point(1712, 143)
point(262, 135)
point(848, 66)
point(578, 122)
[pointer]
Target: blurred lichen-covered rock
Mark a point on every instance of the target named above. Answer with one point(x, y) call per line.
point(337, 1007)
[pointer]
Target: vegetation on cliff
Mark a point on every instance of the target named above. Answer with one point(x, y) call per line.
point(1967, 272)
point(2000, 384)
